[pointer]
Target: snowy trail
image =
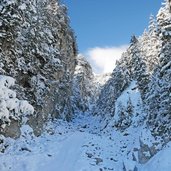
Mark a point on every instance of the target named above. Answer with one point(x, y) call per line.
point(71, 148)
point(68, 154)
point(57, 155)
point(76, 146)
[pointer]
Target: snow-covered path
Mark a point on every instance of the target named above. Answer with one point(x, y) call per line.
point(75, 146)
point(72, 147)
point(68, 154)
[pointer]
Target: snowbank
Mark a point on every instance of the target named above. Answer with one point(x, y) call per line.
point(10, 106)
point(160, 162)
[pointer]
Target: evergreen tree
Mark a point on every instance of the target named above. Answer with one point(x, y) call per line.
point(129, 108)
point(159, 96)
point(125, 114)
point(138, 65)
point(152, 45)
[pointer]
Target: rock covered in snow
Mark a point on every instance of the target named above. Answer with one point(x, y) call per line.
point(11, 108)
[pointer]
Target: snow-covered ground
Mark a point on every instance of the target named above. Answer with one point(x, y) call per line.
point(66, 147)
point(76, 147)
point(160, 162)
point(88, 143)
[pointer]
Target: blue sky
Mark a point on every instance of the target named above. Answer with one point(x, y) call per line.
point(109, 23)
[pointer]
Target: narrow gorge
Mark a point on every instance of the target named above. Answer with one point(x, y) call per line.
point(56, 114)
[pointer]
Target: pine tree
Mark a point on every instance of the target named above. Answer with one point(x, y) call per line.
point(159, 96)
point(138, 65)
point(152, 45)
point(152, 28)
point(129, 108)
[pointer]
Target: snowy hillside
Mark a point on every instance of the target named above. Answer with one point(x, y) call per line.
point(132, 140)
point(160, 162)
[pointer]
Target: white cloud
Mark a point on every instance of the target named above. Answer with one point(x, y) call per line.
point(103, 59)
